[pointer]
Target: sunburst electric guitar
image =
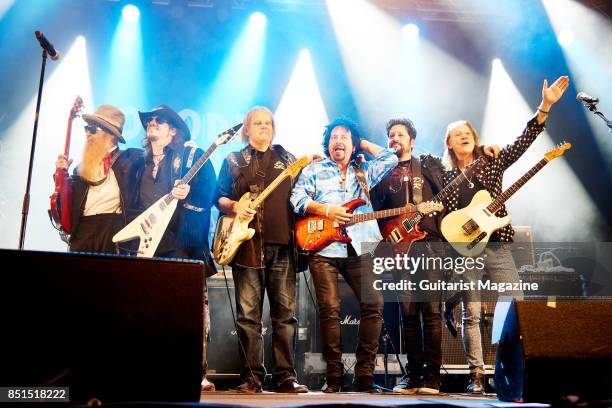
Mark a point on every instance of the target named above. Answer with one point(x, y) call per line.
point(469, 229)
point(406, 227)
point(232, 231)
point(150, 226)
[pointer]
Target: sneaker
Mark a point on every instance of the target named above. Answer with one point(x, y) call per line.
point(476, 385)
point(431, 382)
point(408, 385)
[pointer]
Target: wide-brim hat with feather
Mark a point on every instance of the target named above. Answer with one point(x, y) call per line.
point(108, 117)
point(170, 115)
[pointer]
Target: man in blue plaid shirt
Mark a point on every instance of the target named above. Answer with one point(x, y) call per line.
point(321, 189)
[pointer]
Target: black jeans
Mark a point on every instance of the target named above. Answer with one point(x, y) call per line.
point(358, 274)
point(422, 321)
point(278, 279)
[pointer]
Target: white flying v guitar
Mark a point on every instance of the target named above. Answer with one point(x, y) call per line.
point(152, 223)
point(469, 229)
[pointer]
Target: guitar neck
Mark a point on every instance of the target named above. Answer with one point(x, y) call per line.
point(499, 201)
point(393, 212)
point(68, 135)
point(198, 165)
point(268, 190)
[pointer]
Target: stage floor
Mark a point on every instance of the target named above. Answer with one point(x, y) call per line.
point(270, 399)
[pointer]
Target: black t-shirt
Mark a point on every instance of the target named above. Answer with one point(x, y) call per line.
point(276, 207)
point(395, 188)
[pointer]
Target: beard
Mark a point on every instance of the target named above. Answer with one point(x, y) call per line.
point(91, 168)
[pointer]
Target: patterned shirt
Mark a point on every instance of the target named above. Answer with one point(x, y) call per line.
point(322, 182)
point(491, 175)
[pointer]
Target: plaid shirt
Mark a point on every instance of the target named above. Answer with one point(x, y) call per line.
point(322, 182)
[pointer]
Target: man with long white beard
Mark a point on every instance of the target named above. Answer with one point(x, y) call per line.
point(102, 183)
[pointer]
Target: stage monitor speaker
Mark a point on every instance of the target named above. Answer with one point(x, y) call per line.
point(112, 328)
point(550, 349)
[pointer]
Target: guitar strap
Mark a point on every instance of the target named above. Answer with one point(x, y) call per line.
point(361, 179)
point(417, 180)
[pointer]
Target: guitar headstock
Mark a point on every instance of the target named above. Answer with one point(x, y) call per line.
point(227, 136)
point(77, 107)
point(294, 168)
point(557, 151)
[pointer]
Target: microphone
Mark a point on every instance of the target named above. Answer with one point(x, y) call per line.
point(586, 99)
point(47, 46)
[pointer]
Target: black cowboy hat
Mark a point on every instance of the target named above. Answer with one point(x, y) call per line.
point(170, 115)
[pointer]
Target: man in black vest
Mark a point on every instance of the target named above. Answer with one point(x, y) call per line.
point(266, 263)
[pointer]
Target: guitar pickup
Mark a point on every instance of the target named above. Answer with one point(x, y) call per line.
point(477, 240)
point(314, 226)
point(395, 236)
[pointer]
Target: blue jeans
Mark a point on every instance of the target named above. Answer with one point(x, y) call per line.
point(500, 267)
point(277, 278)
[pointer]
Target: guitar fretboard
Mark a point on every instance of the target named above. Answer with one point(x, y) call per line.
point(499, 201)
point(194, 169)
point(357, 218)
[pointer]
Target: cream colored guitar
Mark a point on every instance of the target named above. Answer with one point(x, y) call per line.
point(469, 229)
point(232, 232)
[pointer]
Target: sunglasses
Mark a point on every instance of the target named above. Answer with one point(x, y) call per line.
point(160, 120)
point(93, 129)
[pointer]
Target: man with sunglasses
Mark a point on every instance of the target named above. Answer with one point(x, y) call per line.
point(102, 182)
point(168, 156)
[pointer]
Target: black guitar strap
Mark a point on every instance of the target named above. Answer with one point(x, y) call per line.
point(417, 180)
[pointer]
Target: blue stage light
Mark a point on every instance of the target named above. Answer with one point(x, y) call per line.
point(410, 31)
point(258, 20)
point(131, 13)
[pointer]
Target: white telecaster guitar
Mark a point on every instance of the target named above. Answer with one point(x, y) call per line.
point(232, 231)
point(152, 223)
point(469, 229)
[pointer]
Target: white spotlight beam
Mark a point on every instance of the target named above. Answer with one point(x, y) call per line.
point(392, 75)
point(589, 57)
point(301, 116)
point(70, 78)
point(553, 196)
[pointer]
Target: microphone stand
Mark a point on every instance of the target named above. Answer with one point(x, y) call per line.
point(593, 108)
point(26, 198)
